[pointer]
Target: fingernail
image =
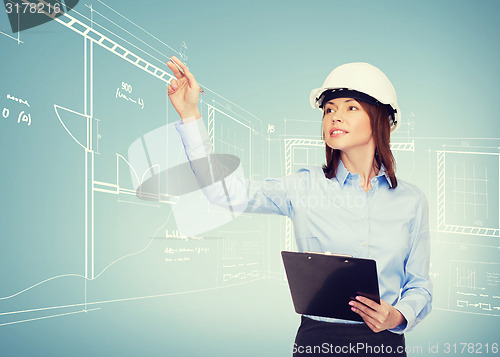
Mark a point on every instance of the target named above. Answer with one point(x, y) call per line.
point(358, 298)
point(174, 88)
point(351, 303)
point(353, 309)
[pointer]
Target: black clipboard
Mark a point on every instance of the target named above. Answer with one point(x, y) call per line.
point(322, 284)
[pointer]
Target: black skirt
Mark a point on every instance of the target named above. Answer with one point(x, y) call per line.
point(318, 338)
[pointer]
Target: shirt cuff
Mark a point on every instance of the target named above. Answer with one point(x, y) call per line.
point(408, 314)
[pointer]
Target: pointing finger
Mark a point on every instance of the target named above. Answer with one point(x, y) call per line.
point(187, 73)
point(179, 63)
point(175, 70)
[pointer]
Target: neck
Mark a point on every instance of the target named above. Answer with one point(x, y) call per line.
point(361, 162)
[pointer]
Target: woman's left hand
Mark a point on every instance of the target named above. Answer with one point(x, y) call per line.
point(378, 317)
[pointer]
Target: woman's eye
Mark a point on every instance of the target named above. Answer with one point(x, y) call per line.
point(353, 108)
point(328, 110)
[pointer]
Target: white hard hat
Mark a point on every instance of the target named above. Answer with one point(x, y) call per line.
point(359, 81)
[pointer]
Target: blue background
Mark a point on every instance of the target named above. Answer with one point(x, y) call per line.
point(258, 61)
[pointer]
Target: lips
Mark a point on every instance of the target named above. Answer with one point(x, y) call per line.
point(337, 132)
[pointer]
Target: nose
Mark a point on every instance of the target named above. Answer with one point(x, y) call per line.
point(336, 117)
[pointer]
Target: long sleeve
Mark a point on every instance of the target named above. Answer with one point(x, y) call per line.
point(232, 190)
point(416, 295)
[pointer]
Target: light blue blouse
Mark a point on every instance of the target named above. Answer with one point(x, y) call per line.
point(390, 226)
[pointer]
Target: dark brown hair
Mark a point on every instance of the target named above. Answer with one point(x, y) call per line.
point(381, 131)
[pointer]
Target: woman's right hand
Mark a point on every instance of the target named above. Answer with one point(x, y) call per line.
point(183, 91)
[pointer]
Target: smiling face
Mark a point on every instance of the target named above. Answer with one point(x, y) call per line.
point(346, 125)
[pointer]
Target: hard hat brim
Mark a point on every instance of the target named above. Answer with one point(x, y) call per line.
point(315, 101)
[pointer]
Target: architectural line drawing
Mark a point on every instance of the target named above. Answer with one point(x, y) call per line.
point(470, 288)
point(48, 317)
point(89, 145)
point(463, 193)
point(409, 146)
point(105, 42)
point(18, 39)
point(442, 224)
point(466, 278)
point(15, 39)
point(139, 251)
point(37, 284)
point(84, 277)
point(92, 36)
point(115, 300)
point(211, 130)
point(86, 117)
point(210, 125)
point(236, 106)
point(141, 28)
point(131, 34)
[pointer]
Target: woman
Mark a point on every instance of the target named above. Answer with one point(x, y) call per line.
point(353, 205)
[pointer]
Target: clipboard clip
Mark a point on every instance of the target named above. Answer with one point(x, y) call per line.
point(330, 253)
